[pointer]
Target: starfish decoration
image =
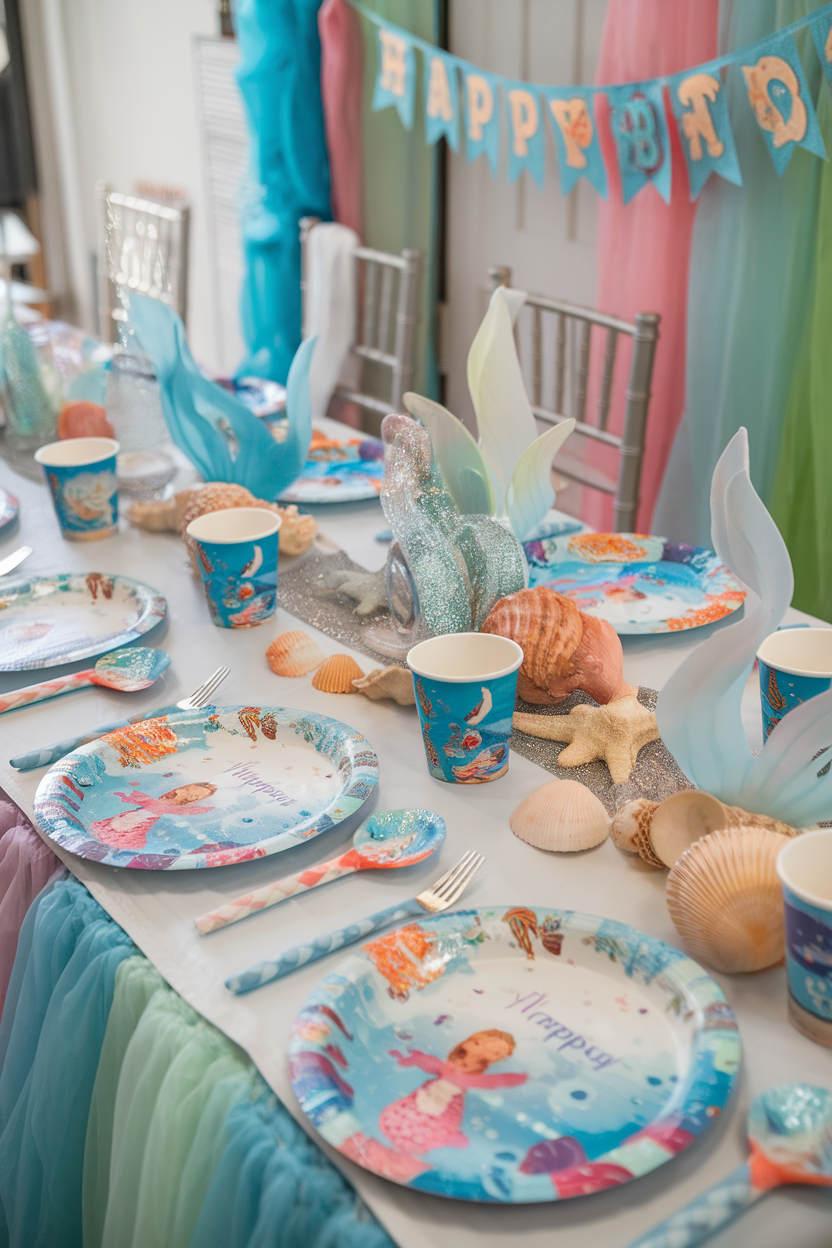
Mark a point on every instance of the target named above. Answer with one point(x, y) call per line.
point(615, 733)
point(367, 589)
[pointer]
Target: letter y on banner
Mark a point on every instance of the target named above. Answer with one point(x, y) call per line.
point(779, 94)
point(396, 80)
point(482, 116)
point(698, 102)
point(639, 125)
point(579, 152)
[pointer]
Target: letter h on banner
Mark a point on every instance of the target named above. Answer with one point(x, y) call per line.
point(396, 79)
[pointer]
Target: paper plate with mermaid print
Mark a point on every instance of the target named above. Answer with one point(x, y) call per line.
point(9, 508)
point(639, 584)
point(338, 472)
point(206, 788)
point(514, 1054)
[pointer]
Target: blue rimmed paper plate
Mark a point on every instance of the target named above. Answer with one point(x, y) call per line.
point(206, 788)
point(338, 472)
point(639, 584)
point(49, 620)
point(9, 507)
point(514, 1054)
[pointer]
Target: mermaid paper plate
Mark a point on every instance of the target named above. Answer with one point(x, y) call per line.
point(9, 508)
point(206, 788)
point(514, 1054)
point(338, 472)
point(640, 584)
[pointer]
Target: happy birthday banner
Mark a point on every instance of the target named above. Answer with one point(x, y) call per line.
point(458, 95)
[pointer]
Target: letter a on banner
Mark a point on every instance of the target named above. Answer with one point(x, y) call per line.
point(579, 152)
point(482, 116)
point(396, 80)
point(820, 25)
point(441, 98)
point(698, 102)
point(640, 128)
point(779, 94)
point(526, 148)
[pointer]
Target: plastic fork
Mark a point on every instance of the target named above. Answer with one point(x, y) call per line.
point(200, 697)
point(440, 896)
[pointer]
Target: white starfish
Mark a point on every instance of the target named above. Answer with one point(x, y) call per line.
point(367, 589)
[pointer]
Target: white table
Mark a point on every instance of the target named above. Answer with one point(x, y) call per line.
point(156, 908)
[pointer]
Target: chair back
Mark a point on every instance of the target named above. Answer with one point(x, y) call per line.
point(389, 289)
point(561, 333)
point(143, 246)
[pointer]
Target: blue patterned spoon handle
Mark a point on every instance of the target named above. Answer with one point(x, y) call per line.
point(706, 1215)
point(51, 753)
point(275, 968)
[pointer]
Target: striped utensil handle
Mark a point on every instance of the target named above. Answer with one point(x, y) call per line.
point(706, 1215)
point(51, 753)
point(275, 968)
point(273, 894)
point(46, 689)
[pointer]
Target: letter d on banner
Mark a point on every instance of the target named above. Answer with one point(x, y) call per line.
point(396, 80)
point(482, 119)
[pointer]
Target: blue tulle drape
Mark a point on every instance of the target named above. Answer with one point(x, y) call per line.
point(279, 76)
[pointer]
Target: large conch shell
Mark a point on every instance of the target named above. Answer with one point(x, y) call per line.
point(173, 515)
point(387, 682)
point(725, 899)
point(563, 816)
point(661, 832)
point(564, 649)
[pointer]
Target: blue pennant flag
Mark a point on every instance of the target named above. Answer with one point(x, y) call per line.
point(441, 98)
point(576, 139)
point(526, 147)
point(699, 105)
point(820, 25)
point(396, 80)
point(639, 125)
point(779, 95)
point(482, 116)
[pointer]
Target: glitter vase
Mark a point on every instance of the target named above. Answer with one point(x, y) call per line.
point(31, 419)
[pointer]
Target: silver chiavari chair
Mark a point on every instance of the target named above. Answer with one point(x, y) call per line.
point(389, 289)
point(567, 347)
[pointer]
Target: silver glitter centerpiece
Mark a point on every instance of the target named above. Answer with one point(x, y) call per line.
point(446, 570)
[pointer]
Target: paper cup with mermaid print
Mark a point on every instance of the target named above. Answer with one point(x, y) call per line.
point(465, 685)
point(804, 865)
point(795, 665)
point(236, 550)
point(81, 474)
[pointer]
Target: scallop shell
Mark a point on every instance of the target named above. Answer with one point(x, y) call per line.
point(563, 816)
point(563, 648)
point(294, 654)
point(337, 674)
point(630, 821)
point(725, 899)
point(387, 682)
point(82, 419)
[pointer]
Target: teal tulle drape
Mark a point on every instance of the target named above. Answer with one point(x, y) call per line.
point(279, 76)
point(127, 1121)
point(749, 292)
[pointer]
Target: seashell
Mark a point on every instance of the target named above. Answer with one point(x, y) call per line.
point(630, 822)
point(337, 674)
point(82, 419)
point(563, 816)
point(173, 515)
point(564, 649)
point(387, 682)
point(644, 849)
point(666, 830)
point(294, 654)
point(725, 899)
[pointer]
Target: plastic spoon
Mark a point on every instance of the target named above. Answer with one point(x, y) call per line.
point(128, 670)
point(392, 838)
point(790, 1137)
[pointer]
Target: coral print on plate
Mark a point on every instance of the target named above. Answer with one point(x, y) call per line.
point(640, 584)
point(206, 788)
point(514, 1054)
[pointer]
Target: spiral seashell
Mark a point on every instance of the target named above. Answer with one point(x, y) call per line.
point(564, 649)
point(725, 900)
point(562, 816)
point(387, 682)
point(294, 654)
point(630, 822)
point(336, 674)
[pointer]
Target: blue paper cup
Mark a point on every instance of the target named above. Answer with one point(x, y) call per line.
point(236, 550)
point(795, 665)
point(465, 685)
point(81, 474)
point(805, 870)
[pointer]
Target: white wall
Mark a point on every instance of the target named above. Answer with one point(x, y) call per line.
point(130, 108)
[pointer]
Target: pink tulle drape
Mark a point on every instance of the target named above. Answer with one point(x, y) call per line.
point(644, 246)
point(342, 63)
point(26, 866)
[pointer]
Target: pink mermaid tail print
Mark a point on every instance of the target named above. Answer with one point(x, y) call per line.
point(431, 1116)
point(129, 829)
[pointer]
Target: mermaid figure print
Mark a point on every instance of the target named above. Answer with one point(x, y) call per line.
point(129, 829)
point(431, 1116)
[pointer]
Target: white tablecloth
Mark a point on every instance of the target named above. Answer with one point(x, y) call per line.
point(156, 908)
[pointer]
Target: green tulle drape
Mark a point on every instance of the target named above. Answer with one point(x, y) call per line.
point(802, 499)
